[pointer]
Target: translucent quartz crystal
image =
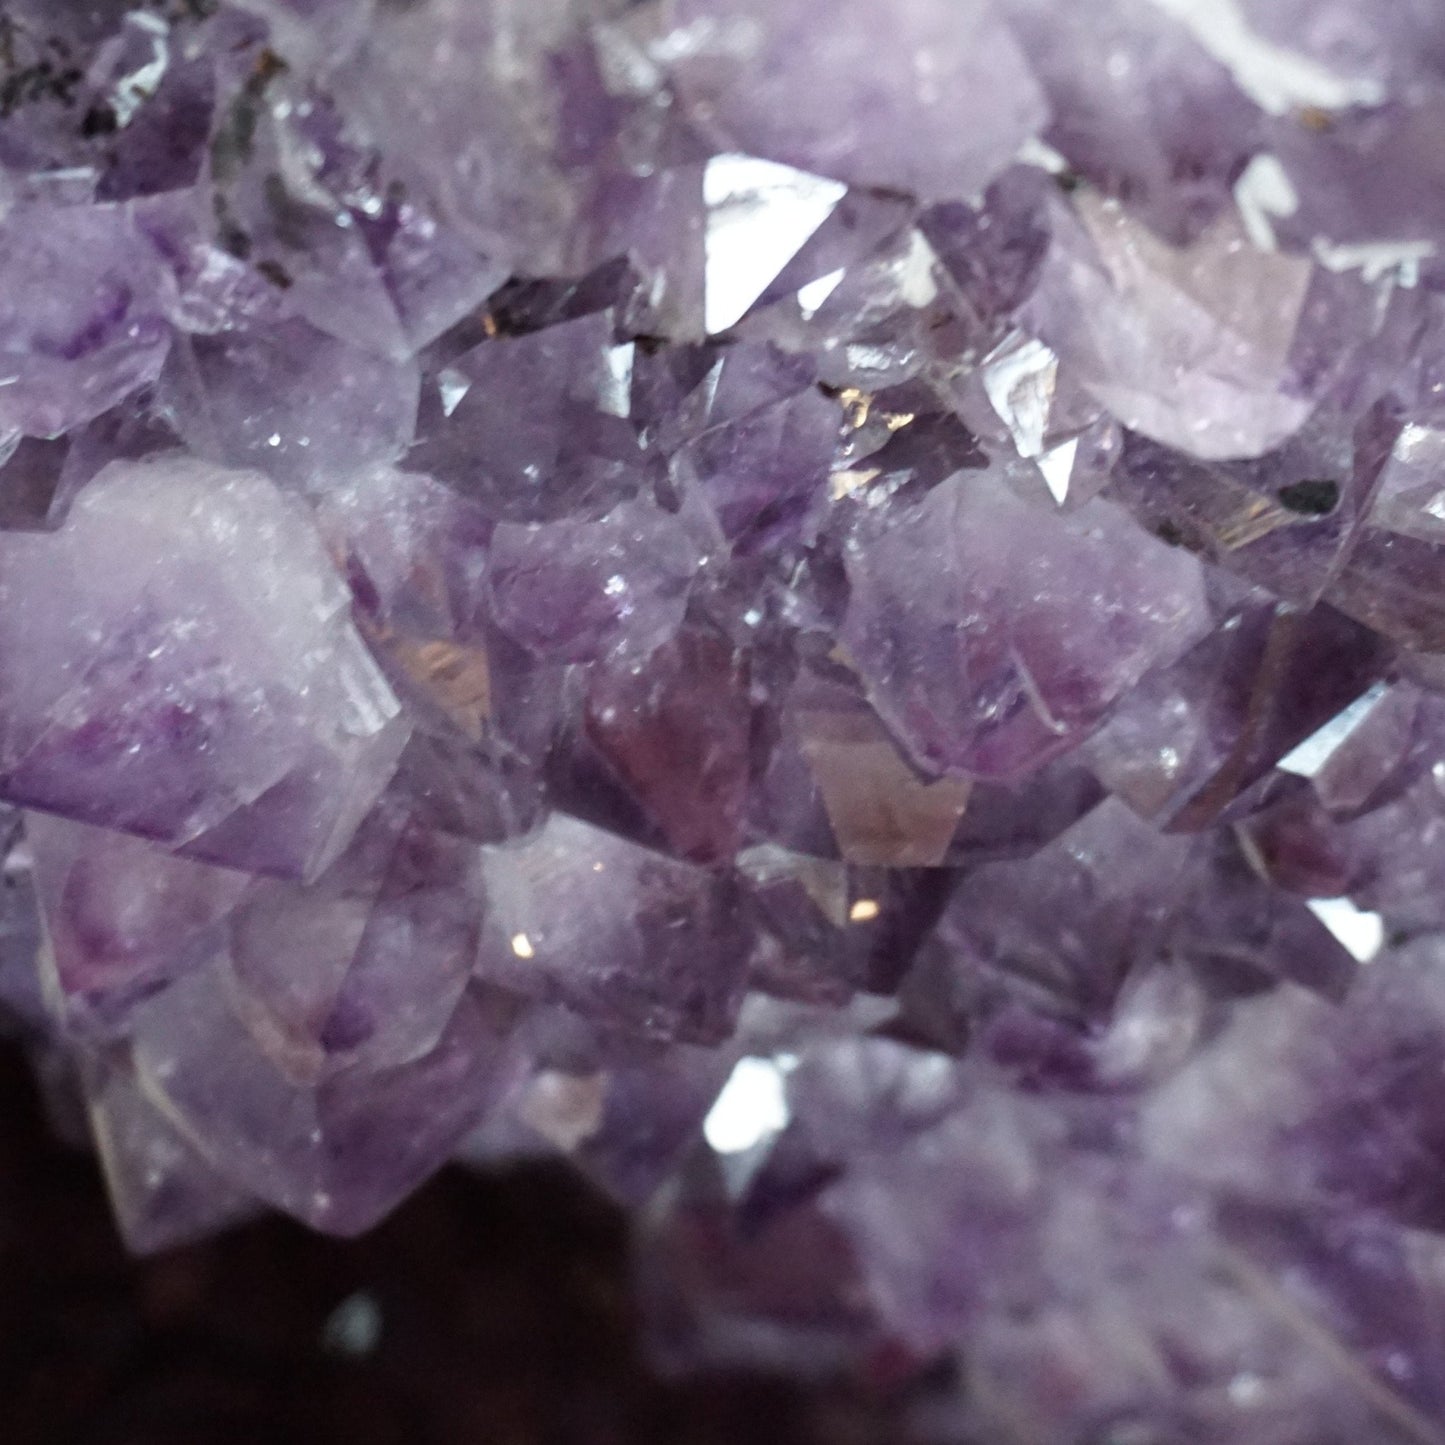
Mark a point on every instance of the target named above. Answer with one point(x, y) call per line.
point(831, 612)
point(200, 683)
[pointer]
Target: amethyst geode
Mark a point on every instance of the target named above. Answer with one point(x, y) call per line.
point(834, 609)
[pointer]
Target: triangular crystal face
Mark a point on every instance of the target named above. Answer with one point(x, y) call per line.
point(759, 216)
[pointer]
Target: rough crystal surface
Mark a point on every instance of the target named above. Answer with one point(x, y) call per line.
point(834, 613)
point(202, 684)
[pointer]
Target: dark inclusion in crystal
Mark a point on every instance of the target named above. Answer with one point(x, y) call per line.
point(1311, 498)
point(834, 614)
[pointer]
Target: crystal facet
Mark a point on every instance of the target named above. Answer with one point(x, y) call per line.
point(833, 613)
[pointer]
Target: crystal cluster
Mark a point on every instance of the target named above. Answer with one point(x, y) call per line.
point(835, 612)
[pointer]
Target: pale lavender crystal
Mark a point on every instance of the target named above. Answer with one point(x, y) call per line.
point(1017, 682)
point(122, 916)
point(81, 325)
point(832, 614)
point(456, 95)
point(627, 1127)
point(164, 1194)
point(314, 32)
point(579, 916)
point(1233, 927)
point(292, 401)
point(243, 725)
point(1197, 735)
point(339, 1153)
point(657, 222)
point(1289, 520)
point(1188, 345)
point(1071, 1278)
point(1370, 177)
point(1384, 859)
point(676, 728)
point(1074, 921)
point(534, 427)
point(364, 968)
point(761, 441)
point(1139, 107)
point(935, 100)
point(880, 812)
point(414, 552)
point(1318, 1073)
point(577, 590)
point(433, 277)
point(805, 948)
point(1404, 43)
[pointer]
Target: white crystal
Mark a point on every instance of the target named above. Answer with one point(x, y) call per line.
point(760, 215)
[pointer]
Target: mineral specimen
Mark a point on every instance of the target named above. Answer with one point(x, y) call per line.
point(834, 612)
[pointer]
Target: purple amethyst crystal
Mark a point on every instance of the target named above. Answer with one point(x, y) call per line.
point(957, 621)
point(932, 97)
point(203, 684)
point(834, 613)
point(82, 320)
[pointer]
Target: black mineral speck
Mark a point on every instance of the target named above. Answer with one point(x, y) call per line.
point(1312, 498)
point(276, 274)
point(98, 120)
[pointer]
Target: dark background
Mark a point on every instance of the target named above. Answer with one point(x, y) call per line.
point(504, 1312)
